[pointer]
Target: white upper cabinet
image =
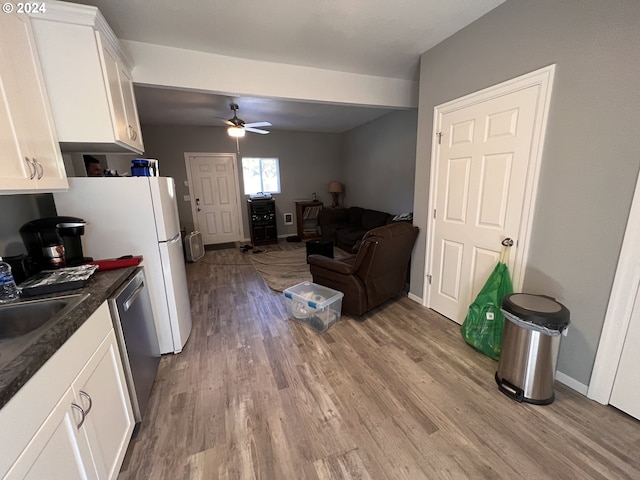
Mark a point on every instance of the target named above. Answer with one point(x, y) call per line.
point(31, 159)
point(88, 78)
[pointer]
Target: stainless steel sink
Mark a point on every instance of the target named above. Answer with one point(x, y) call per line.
point(22, 318)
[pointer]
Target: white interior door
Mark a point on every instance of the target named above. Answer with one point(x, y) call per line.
point(615, 378)
point(483, 182)
point(626, 387)
point(215, 201)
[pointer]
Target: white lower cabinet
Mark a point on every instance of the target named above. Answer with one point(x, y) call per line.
point(58, 450)
point(101, 392)
point(86, 433)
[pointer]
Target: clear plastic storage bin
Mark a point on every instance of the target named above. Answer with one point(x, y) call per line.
point(314, 305)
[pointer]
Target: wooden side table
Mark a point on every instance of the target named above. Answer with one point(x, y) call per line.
point(307, 219)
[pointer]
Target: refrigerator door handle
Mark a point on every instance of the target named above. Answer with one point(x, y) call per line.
point(173, 239)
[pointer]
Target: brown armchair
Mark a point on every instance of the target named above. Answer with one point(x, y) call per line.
point(375, 274)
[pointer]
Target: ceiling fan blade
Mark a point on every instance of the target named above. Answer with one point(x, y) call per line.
point(255, 130)
point(258, 124)
point(225, 121)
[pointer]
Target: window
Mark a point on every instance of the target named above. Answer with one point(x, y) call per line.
point(261, 175)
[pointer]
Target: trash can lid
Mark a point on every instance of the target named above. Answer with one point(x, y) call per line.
point(537, 309)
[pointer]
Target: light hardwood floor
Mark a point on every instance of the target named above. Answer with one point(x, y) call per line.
point(397, 396)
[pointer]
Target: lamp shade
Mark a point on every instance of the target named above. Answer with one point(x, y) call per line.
point(335, 187)
point(235, 131)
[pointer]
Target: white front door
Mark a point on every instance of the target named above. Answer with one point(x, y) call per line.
point(215, 200)
point(482, 186)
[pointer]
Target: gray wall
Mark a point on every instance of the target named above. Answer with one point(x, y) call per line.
point(375, 161)
point(308, 162)
point(15, 211)
point(380, 162)
point(591, 160)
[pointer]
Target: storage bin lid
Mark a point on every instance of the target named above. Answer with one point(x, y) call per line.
point(537, 309)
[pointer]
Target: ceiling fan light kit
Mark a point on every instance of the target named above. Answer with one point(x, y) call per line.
point(237, 132)
point(237, 127)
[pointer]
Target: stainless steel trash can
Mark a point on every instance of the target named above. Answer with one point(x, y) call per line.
point(530, 343)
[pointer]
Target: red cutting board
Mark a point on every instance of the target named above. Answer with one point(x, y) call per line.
point(112, 263)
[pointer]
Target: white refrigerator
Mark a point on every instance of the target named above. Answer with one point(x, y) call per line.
point(137, 216)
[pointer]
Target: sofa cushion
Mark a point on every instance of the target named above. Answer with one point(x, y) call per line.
point(373, 219)
point(355, 215)
point(347, 237)
point(329, 216)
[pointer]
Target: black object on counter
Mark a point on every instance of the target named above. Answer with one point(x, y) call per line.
point(42, 234)
point(54, 281)
point(19, 267)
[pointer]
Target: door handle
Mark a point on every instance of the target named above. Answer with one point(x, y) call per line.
point(88, 397)
point(174, 239)
point(82, 412)
point(31, 165)
point(197, 201)
point(39, 168)
point(507, 242)
point(132, 298)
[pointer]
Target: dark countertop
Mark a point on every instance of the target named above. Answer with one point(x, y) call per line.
point(15, 371)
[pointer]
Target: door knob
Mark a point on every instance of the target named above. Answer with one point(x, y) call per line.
point(507, 242)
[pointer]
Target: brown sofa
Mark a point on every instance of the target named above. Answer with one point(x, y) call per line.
point(345, 227)
point(377, 273)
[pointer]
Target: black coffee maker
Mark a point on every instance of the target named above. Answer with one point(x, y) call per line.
point(54, 242)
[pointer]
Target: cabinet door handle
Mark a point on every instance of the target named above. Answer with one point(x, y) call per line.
point(82, 412)
point(32, 168)
point(39, 167)
point(85, 394)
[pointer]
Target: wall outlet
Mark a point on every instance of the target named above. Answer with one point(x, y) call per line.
point(288, 218)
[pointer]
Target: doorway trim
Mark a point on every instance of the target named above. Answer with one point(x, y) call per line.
point(543, 78)
point(194, 216)
point(624, 294)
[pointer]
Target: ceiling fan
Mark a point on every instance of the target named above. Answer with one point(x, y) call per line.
point(237, 127)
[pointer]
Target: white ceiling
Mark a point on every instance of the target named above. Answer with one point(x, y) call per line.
point(373, 37)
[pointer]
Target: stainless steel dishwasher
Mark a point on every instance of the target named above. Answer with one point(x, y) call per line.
point(136, 334)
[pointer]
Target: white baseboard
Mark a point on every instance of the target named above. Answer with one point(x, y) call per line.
point(571, 383)
point(415, 298)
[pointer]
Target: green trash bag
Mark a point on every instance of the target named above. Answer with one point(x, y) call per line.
point(483, 327)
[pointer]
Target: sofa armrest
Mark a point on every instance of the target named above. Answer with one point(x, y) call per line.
point(343, 267)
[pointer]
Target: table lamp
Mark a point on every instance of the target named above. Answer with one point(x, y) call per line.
point(335, 188)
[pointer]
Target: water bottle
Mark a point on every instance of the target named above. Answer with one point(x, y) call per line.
point(8, 289)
